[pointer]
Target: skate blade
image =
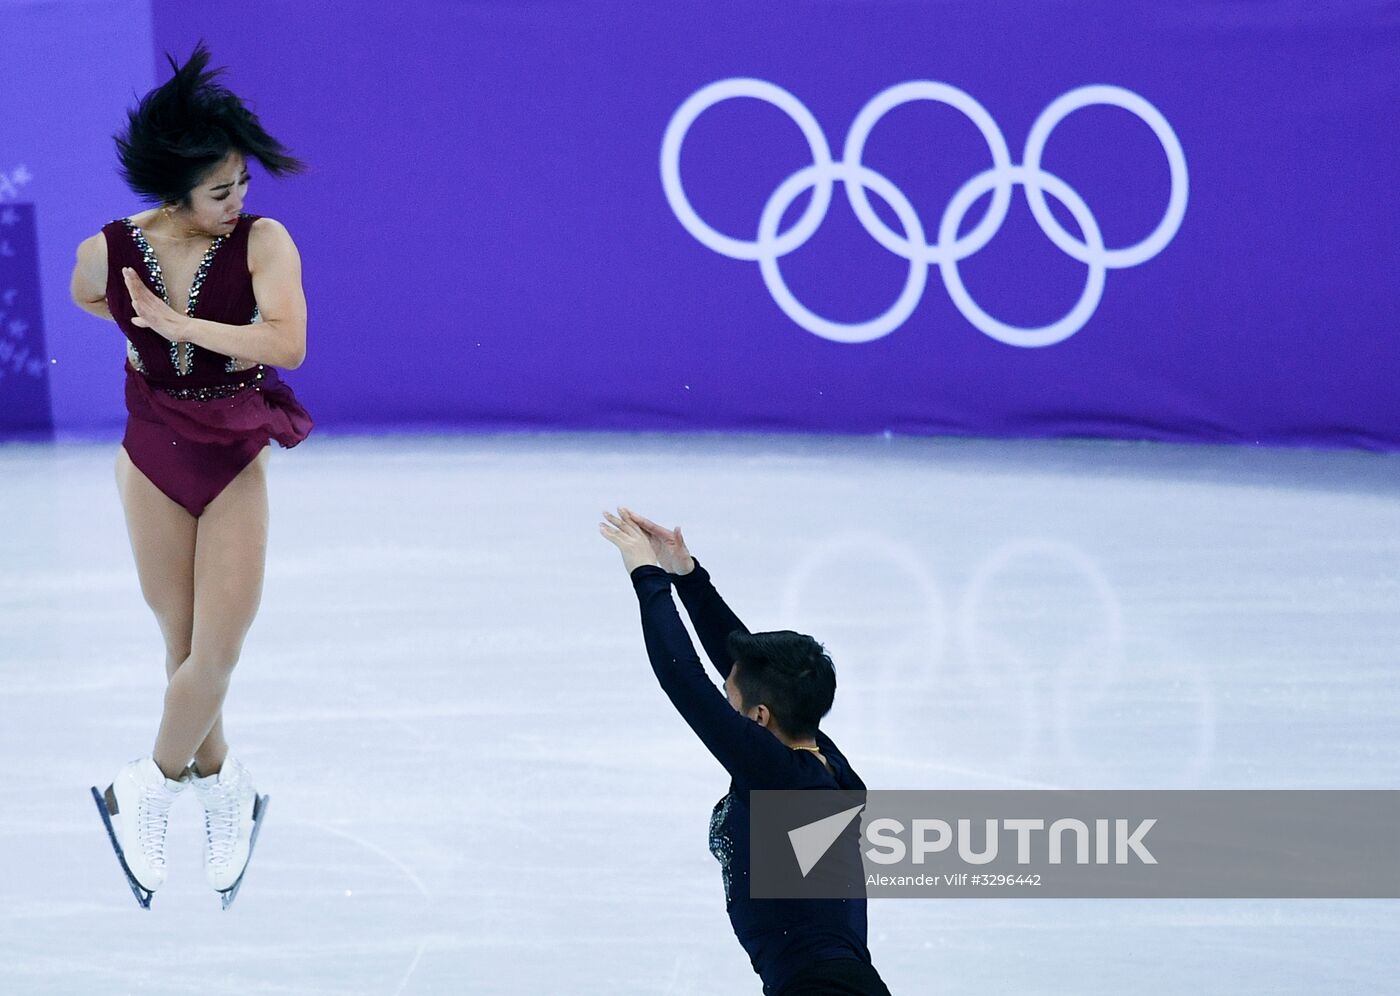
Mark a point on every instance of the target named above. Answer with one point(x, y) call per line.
point(259, 809)
point(104, 801)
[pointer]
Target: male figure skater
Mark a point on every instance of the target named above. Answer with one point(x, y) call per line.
point(763, 729)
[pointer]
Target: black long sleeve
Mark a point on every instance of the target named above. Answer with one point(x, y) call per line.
point(712, 618)
point(751, 754)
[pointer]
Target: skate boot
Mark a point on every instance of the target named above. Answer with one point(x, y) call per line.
point(136, 810)
point(233, 813)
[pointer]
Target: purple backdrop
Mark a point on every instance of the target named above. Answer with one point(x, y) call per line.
point(488, 243)
point(24, 360)
point(67, 68)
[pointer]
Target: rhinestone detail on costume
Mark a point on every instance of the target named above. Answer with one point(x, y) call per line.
point(721, 844)
point(187, 348)
point(134, 357)
point(234, 364)
point(181, 353)
point(212, 393)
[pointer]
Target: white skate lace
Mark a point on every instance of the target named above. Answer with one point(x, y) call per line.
point(221, 823)
point(152, 819)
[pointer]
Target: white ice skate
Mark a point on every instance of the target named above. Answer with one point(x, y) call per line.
point(233, 813)
point(136, 811)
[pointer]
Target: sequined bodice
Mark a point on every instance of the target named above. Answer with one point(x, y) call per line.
point(222, 291)
point(722, 840)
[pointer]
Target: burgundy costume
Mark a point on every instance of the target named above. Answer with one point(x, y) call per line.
point(195, 420)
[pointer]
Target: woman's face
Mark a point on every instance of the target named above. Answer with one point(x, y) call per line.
point(215, 202)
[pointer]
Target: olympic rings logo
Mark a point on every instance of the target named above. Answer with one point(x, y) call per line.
point(949, 248)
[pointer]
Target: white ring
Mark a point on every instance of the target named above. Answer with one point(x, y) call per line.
point(847, 173)
point(1014, 335)
point(701, 101)
point(880, 105)
point(1087, 96)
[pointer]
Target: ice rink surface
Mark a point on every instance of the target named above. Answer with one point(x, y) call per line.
point(478, 787)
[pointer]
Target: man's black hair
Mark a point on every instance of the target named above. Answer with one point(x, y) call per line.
point(789, 673)
point(185, 127)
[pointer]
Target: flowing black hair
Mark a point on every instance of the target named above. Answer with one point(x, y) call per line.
point(788, 672)
point(185, 127)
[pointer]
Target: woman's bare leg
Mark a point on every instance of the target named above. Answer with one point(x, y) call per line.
point(163, 544)
point(230, 550)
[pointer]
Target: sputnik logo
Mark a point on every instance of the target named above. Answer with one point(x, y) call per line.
point(812, 840)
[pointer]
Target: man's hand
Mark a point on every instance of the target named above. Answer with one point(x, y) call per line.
point(667, 544)
point(151, 312)
point(629, 538)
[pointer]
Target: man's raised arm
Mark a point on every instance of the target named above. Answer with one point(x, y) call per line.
point(713, 619)
point(745, 749)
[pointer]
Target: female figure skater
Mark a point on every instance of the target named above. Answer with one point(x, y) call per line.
point(764, 730)
point(210, 301)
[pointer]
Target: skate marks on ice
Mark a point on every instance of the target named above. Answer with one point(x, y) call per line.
point(333, 914)
point(397, 863)
point(1034, 615)
point(684, 975)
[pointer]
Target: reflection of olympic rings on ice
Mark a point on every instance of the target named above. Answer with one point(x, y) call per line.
point(949, 248)
point(1197, 699)
point(890, 659)
point(996, 666)
point(979, 646)
point(922, 648)
point(1084, 673)
point(1054, 696)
